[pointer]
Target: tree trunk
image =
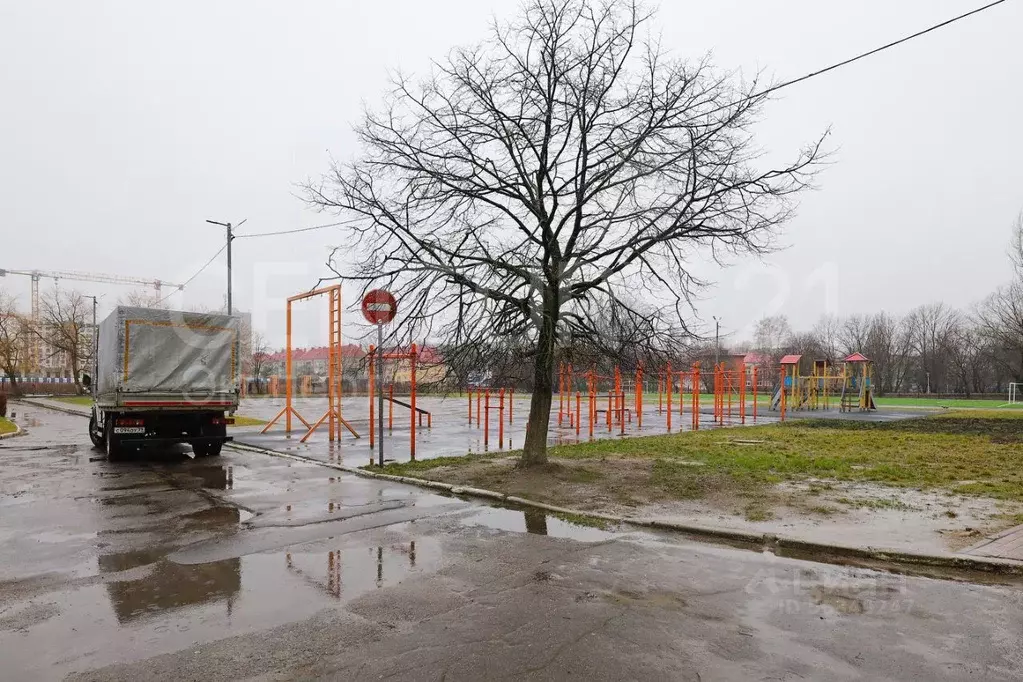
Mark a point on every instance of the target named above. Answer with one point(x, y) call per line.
point(534, 450)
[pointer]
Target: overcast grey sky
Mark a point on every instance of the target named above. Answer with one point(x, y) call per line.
point(126, 124)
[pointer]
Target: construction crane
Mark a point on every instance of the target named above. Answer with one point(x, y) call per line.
point(55, 275)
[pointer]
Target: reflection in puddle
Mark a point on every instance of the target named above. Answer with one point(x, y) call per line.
point(347, 574)
point(535, 522)
point(214, 477)
point(169, 585)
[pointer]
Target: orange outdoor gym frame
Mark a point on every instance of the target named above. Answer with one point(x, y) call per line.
point(412, 356)
point(333, 414)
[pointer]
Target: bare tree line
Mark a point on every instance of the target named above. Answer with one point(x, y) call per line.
point(933, 348)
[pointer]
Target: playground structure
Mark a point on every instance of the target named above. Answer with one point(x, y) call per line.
point(416, 413)
point(852, 386)
point(333, 415)
point(484, 407)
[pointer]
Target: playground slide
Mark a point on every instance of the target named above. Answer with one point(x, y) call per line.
point(776, 400)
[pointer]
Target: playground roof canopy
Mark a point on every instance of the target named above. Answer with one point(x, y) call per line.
point(857, 357)
point(790, 360)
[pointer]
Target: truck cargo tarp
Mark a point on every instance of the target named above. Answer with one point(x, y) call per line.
point(146, 350)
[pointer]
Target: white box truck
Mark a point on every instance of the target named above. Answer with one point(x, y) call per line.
point(164, 377)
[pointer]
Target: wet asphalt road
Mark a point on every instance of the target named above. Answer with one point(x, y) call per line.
point(255, 567)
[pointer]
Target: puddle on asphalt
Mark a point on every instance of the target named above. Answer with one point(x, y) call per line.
point(536, 522)
point(337, 574)
point(214, 477)
point(169, 585)
point(346, 574)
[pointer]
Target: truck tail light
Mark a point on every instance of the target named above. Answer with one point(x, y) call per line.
point(129, 422)
point(222, 421)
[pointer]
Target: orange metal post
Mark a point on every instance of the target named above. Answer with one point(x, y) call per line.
point(500, 423)
point(681, 396)
point(390, 407)
point(610, 409)
point(412, 401)
point(639, 397)
point(578, 413)
point(470, 407)
point(742, 392)
point(561, 392)
point(593, 405)
point(667, 393)
point(621, 415)
point(511, 403)
point(479, 395)
point(696, 396)
point(486, 419)
point(731, 389)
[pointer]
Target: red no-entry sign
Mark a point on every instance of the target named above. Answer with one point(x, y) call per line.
point(379, 306)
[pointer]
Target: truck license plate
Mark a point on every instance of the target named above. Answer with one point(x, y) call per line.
point(129, 429)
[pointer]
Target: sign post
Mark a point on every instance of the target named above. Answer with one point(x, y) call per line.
point(379, 307)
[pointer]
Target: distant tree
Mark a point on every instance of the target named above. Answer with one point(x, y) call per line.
point(567, 166)
point(1000, 316)
point(771, 334)
point(14, 339)
point(828, 333)
point(1000, 320)
point(889, 345)
point(65, 324)
point(142, 298)
point(259, 359)
point(931, 329)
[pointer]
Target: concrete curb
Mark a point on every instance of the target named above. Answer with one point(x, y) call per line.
point(65, 410)
point(776, 543)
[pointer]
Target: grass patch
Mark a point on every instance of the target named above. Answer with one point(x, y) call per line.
point(943, 402)
point(75, 400)
point(968, 453)
point(580, 520)
point(7, 426)
point(240, 420)
point(973, 453)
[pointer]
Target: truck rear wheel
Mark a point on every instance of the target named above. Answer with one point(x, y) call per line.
point(96, 434)
point(115, 451)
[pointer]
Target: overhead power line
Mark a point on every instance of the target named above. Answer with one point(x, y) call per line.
point(864, 55)
point(300, 229)
point(197, 273)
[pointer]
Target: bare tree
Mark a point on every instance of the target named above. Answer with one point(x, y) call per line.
point(1000, 318)
point(932, 327)
point(828, 332)
point(66, 325)
point(259, 359)
point(563, 167)
point(889, 344)
point(13, 339)
point(771, 334)
point(142, 298)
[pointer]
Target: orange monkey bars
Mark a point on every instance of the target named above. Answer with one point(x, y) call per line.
point(416, 413)
point(333, 414)
point(483, 409)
